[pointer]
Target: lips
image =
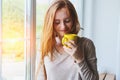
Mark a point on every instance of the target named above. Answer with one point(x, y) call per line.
point(63, 30)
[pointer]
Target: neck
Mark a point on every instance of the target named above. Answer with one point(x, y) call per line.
point(58, 41)
point(58, 45)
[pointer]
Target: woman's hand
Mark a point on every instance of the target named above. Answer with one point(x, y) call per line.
point(75, 50)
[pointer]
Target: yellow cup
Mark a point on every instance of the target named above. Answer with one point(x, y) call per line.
point(68, 37)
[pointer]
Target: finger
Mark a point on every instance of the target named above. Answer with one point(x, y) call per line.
point(73, 43)
point(67, 49)
point(70, 51)
point(69, 45)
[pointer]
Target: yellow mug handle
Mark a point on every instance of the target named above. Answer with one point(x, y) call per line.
point(64, 40)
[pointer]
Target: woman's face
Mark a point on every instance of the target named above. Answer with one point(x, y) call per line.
point(62, 22)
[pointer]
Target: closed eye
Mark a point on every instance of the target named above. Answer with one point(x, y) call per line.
point(56, 22)
point(67, 20)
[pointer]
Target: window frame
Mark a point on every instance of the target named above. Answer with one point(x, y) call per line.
point(30, 28)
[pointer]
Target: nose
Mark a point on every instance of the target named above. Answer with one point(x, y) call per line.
point(62, 25)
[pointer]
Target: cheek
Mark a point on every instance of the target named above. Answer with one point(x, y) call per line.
point(55, 28)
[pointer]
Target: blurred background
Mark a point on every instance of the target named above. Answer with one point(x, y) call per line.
point(20, 28)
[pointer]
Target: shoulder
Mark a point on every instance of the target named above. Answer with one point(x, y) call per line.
point(86, 44)
point(86, 41)
point(88, 47)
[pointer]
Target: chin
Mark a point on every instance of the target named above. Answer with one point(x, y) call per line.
point(62, 34)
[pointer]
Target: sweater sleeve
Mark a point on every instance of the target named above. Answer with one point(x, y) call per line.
point(88, 66)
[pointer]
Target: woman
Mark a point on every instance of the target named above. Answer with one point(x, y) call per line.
point(59, 62)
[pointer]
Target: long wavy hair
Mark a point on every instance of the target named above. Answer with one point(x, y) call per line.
point(48, 36)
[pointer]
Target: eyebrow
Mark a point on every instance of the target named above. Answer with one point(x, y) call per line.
point(65, 18)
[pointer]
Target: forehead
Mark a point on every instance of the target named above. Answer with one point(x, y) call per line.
point(62, 13)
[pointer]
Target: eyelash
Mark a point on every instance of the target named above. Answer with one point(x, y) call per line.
point(56, 22)
point(66, 21)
